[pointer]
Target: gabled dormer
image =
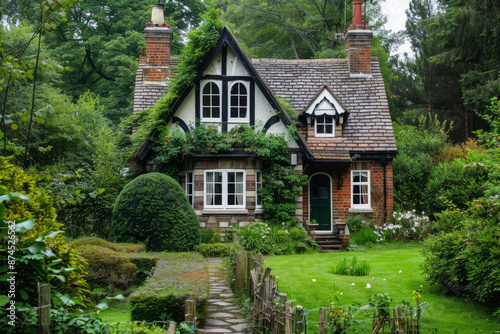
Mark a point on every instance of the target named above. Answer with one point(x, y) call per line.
point(325, 115)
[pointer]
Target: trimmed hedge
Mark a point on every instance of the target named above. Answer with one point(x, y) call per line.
point(153, 209)
point(106, 267)
point(93, 242)
point(215, 250)
point(149, 308)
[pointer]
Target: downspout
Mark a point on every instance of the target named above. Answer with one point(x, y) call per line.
point(384, 163)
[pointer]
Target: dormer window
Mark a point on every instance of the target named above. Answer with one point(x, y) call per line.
point(325, 126)
point(211, 101)
point(238, 102)
point(325, 115)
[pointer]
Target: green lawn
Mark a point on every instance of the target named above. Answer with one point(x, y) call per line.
point(296, 274)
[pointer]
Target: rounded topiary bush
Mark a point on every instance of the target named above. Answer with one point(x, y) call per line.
point(153, 209)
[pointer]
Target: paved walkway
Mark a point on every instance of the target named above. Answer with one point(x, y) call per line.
point(223, 311)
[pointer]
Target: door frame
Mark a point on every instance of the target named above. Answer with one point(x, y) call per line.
point(331, 202)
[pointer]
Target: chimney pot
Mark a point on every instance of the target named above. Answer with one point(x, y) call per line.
point(357, 15)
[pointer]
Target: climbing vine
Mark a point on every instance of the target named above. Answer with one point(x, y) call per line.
point(282, 183)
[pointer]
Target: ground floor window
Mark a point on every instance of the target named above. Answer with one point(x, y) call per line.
point(190, 187)
point(224, 189)
point(258, 185)
point(360, 188)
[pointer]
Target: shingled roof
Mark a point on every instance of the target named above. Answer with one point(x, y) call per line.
point(369, 127)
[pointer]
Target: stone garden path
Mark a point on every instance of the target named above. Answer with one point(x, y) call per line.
point(223, 311)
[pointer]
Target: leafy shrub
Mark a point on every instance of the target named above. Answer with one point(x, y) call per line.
point(106, 267)
point(259, 237)
point(131, 249)
point(457, 182)
point(458, 151)
point(93, 242)
point(207, 236)
point(467, 259)
point(153, 209)
point(40, 208)
point(354, 222)
point(447, 221)
point(152, 307)
point(350, 268)
point(367, 233)
point(142, 328)
point(215, 250)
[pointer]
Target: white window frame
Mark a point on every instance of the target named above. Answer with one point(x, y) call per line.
point(257, 187)
point(211, 119)
point(224, 204)
point(190, 195)
point(360, 183)
point(316, 119)
point(238, 119)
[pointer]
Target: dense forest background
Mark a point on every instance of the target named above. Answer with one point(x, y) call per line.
point(67, 72)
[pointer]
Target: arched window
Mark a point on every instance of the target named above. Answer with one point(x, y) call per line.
point(211, 101)
point(238, 102)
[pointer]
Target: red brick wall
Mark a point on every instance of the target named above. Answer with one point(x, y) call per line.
point(342, 195)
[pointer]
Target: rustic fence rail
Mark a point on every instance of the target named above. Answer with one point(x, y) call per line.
point(272, 313)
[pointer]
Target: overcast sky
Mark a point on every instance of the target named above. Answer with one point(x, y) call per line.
point(396, 18)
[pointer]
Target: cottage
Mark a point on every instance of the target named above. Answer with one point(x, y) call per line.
point(345, 141)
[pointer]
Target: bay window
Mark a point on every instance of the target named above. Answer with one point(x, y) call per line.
point(224, 189)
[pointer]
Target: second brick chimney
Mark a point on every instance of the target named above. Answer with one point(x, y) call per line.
point(358, 41)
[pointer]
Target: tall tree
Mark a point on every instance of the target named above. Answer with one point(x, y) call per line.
point(100, 43)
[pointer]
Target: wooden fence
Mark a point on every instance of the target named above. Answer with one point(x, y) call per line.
point(273, 313)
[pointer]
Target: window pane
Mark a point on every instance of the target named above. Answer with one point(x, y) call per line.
point(320, 129)
point(329, 129)
point(206, 100)
point(328, 119)
point(364, 177)
point(356, 177)
point(216, 112)
point(364, 189)
point(210, 188)
point(231, 199)
point(356, 199)
point(206, 89)
point(218, 188)
point(243, 101)
point(218, 177)
point(215, 100)
point(234, 101)
point(239, 188)
point(206, 112)
point(234, 112)
point(210, 177)
point(218, 200)
point(239, 177)
point(231, 188)
point(215, 88)
point(356, 189)
point(243, 112)
point(230, 177)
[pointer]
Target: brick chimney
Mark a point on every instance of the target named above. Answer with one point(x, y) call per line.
point(158, 45)
point(358, 41)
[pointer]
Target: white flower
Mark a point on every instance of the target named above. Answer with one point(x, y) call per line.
point(314, 280)
point(420, 286)
point(400, 271)
point(384, 279)
point(353, 284)
point(263, 236)
point(373, 277)
point(368, 286)
point(341, 293)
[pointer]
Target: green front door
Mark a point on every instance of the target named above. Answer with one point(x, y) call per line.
point(320, 198)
